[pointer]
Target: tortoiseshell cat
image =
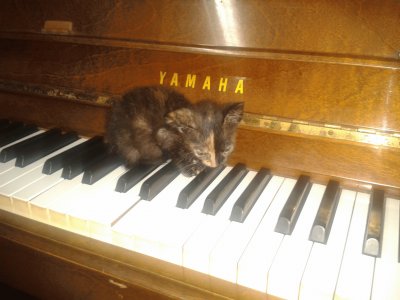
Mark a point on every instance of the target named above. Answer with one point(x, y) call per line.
point(150, 123)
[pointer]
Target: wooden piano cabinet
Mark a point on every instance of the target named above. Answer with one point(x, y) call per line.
point(49, 277)
point(334, 63)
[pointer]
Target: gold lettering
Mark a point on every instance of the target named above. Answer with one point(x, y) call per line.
point(223, 83)
point(239, 87)
point(174, 80)
point(190, 80)
point(207, 83)
point(162, 76)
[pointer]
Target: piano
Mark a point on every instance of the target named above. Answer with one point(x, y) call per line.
point(308, 204)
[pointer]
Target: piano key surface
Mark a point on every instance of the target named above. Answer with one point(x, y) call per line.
point(387, 267)
point(197, 249)
point(258, 256)
point(356, 271)
point(154, 225)
point(322, 269)
point(230, 246)
point(252, 253)
point(291, 258)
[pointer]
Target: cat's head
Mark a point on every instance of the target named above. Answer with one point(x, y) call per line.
point(207, 130)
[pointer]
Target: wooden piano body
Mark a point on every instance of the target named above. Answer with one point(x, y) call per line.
point(320, 82)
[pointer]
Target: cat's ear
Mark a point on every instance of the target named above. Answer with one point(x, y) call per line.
point(233, 113)
point(181, 119)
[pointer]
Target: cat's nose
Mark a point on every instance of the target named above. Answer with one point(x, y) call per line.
point(211, 162)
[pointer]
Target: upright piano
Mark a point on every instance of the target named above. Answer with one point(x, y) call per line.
point(308, 205)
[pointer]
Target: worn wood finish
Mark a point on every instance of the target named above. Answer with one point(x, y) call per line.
point(83, 117)
point(328, 92)
point(49, 277)
point(366, 28)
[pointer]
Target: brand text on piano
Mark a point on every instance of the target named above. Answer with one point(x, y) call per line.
point(224, 84)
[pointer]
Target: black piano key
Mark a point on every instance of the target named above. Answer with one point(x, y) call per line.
point(4, 131)
point(45, 147)
point(326, 212)
point(224, 189)
point(193, 190)
point(373, 233)
point(8, 127)
point(16, 134)
point(134, 176)
point(4, 123)
point(248, 198)
point(81, 161)
point(11, 152)
point(58, 161)
point(293, 206)
point(101, 168)
point(157, 182)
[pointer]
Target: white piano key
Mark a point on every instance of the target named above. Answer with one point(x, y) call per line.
point(50, 206)
point(179, 224)
point(387, 268)
point(10, 164)
point(150, 222)
point(109, 212)
point(257, 258)
point(322, 270)
point(85, 200)
point(174, 226)
point(34, 169)
point(4, 167)
point(28, 177)
point(112, 209)
point(102, 206)
point(356, 271)
point(288, 266)
point(225, 255)
point(122, 233)
point(197, 250)
point(20, 199)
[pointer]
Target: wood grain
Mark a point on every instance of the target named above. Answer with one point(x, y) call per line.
point(333, 93)
point(351, 28)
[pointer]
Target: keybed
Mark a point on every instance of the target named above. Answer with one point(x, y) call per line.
point(296, 239)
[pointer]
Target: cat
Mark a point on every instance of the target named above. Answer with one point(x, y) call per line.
point(153, 123)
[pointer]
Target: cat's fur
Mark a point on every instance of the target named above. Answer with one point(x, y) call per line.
point(151, 123)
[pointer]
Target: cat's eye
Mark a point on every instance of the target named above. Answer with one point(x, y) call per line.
point(185, 129)
point(227, 149)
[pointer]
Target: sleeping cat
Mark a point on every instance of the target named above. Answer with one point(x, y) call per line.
point(152, 123)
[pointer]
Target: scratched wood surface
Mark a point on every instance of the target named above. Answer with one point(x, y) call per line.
point(351, 28)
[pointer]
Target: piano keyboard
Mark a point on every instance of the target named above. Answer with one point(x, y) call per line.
point(284, 237)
